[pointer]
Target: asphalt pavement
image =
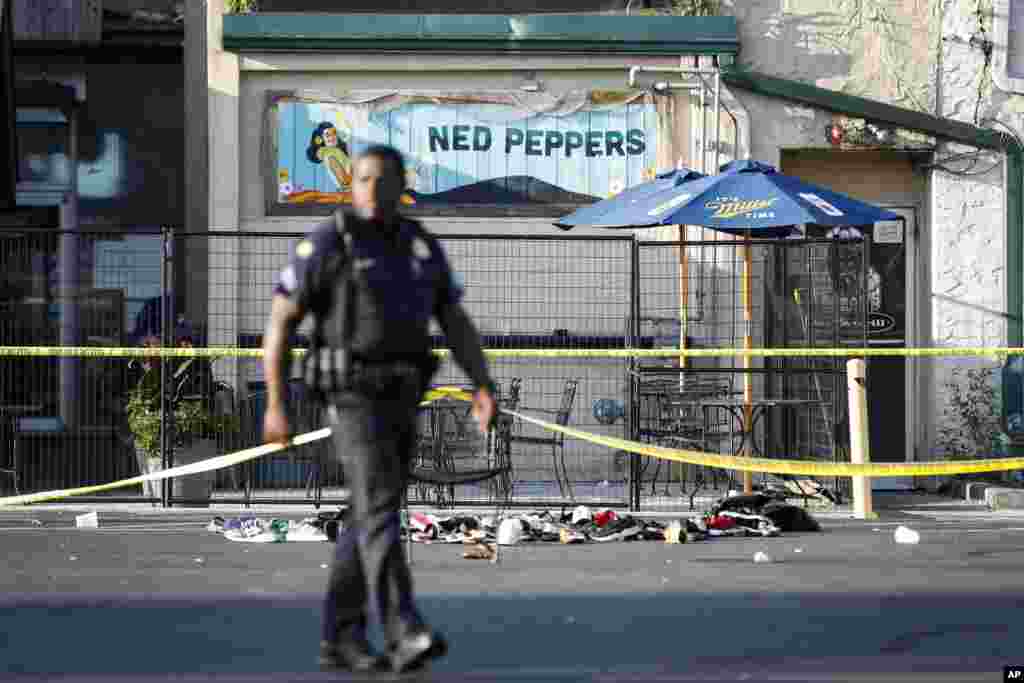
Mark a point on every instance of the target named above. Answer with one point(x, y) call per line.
point(152, 596)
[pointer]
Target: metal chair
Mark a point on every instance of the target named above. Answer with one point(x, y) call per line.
point(557, 440)
point(451, 440)
point(672, 416)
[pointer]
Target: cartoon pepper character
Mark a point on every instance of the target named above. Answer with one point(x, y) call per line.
point(327, 148)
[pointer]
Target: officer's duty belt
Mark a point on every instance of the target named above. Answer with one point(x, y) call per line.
point(339, 371)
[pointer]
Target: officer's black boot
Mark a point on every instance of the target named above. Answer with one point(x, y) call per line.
point(351, 652)
point(414, 647)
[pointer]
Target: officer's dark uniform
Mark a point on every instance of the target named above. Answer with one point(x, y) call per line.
point(400, 278)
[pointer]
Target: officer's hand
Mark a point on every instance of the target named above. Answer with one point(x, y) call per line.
point(275, 426)
point(484, 409)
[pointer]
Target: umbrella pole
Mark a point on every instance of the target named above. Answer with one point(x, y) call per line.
point(684, 316)
point(748, 388)
point(684, 296)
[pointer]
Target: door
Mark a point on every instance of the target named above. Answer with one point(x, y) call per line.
point(890, 316)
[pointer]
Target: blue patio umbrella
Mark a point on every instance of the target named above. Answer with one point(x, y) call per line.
point(626, 201)
point(746, 197)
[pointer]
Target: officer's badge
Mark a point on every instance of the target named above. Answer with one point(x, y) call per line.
point(304, 249)
point(420, 249)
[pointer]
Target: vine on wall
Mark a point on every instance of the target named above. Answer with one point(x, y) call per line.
point(695, 8)
point(239, 6)
point(855, 17)
point(971, 426)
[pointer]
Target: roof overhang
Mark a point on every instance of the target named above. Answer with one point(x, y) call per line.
point(562, 33)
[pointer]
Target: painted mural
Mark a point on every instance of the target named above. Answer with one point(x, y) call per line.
point(488, 148)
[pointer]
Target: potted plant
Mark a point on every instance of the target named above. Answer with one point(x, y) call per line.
point(195, 430)
point(144, 423)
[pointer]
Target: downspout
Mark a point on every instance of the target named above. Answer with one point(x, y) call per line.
point(1013, 182)
point(1013, 198)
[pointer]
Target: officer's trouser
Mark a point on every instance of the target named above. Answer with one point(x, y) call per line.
point(374, 440)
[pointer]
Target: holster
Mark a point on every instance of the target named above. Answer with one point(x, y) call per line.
point(330, 371)
point(326, 371)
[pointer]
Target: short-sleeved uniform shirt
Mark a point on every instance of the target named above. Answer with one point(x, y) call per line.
point(401, 278)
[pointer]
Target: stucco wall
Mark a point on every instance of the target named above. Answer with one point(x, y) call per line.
point(880, 49)
point(914, 54)
point(968, 248)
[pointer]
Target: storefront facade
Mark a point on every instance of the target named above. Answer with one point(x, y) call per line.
point(511, 121)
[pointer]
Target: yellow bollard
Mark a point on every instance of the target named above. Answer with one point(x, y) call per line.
point(860, 453)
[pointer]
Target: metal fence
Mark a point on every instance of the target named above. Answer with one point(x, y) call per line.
point(804, 293)
point(71, 421)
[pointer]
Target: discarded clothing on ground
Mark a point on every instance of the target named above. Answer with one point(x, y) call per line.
point(803, 488)
point(757, 515)
point(790, 517)
point(732, 523)
point(258, 530)
point(767, 505)
point(580, 525)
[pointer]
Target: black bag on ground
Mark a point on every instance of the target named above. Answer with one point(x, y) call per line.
point(750, 504)
point(790, 517)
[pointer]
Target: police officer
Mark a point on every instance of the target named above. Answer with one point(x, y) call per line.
point(372, 279)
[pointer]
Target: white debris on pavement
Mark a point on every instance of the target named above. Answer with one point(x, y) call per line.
point(906, 535)
point(89, 520)
point(510, 532)
point(761, 557)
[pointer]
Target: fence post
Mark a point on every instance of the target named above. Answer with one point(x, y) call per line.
point(856, 386)
point(633, 485)
point(166, 334)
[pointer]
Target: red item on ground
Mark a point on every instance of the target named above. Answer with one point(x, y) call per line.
point(602, 518)
point(721, 522)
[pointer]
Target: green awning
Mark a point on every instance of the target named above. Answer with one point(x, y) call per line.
point(645, 35)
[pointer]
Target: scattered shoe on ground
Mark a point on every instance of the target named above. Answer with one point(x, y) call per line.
point(762, 514)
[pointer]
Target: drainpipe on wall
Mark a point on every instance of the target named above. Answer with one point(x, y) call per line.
point(1013, 209)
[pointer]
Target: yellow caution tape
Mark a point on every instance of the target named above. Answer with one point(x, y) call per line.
point(729, 462)
point(210, 464)
point(207, 465)
point(438, 393)
point(803, 467)
point(234, 352)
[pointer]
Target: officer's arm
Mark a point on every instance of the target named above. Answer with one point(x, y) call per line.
point(466, 345)
point(285, 316)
